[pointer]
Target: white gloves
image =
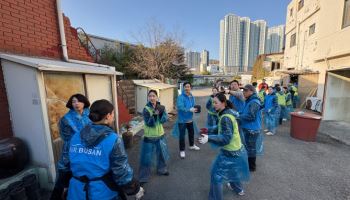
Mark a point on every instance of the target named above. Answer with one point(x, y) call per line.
point(203, 139)
point(193, 109)
point(140, 194)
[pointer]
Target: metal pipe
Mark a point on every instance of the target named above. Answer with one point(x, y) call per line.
point(61, 29)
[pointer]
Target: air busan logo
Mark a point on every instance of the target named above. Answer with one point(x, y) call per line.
point(78, 148)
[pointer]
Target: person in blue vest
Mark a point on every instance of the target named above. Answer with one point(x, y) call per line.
point(212, 118)
point(154, 115)
point(72, 122)
point(236, 96)
point(98, 160)
point(186, 107)
point(271, 112)
point(231, 165)
point(250, 120)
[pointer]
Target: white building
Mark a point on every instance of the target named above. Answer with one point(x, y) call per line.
point(244, 44)
point(229, 43)
point(193, 60)
point(275, 40)
point(204, 61)
point(317, 40)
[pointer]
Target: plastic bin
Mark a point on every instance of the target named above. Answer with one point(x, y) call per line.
point(304, 126)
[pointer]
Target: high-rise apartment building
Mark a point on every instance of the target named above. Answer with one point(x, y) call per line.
point(205, 58)
point(275, 40)
point(229, 43)
point(193, 60)
point(241, 41)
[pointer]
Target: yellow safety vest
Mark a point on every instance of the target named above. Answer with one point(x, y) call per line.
point(261, 96)
point(295, 90)
point(155, 131)
point(289, 102)
point(235, 143)
point(281, 99)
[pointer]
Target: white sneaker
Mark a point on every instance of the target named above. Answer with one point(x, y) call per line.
point(284, 119)
point(266, 130)
point(241, 193)
point(194, 147)
point(269, 133)
point(229, 186)
point(182, 154)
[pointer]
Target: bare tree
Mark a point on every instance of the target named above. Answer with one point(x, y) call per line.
point(159, 54)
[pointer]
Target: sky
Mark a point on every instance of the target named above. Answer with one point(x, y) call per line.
point(199, 20)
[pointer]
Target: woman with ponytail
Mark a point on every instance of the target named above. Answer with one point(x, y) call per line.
point(98, 160)
point(231, 165)
point(154, 115)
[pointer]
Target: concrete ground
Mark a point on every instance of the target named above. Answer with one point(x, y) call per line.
point(289, 169)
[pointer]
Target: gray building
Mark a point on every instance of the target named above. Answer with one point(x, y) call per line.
point(193, 60)
point(100, 42)
point(275, 40)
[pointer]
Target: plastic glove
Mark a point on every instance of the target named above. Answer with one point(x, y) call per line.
point(140, 194)
point(203, 139)
point(193, 110)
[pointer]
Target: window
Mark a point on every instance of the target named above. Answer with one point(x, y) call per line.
point(346, 18)
point(300, 4)
point(291, 12)
point(312, 29)
point(293, 39)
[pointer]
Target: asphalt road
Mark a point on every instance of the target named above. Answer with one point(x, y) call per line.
point(289, 169)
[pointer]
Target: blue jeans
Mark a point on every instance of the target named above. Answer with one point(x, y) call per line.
point(147, 153)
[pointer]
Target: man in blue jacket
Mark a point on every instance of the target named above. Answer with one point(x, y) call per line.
point(185, 106)
point(251, 124)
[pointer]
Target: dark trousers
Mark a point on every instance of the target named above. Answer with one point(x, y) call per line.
point(251, 162)
point(61, 183)
point(182, 130)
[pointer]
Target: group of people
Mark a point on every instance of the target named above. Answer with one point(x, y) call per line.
point(94, 164)
point(277, 103)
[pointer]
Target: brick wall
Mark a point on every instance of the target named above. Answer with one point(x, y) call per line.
point(30, 27)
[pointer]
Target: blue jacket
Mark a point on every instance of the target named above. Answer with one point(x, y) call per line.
point(184, 104)
point(237, 102)
point(71, 123)
point(151, 120)
point(251, 114)
point(270, 103)
point(96, 151)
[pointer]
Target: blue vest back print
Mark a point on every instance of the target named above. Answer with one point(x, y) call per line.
point(70, 124)
point(93, 162)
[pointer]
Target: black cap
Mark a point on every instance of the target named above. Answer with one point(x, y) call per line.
point(249, 87)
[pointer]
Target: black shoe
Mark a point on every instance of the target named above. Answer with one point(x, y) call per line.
point(252, 169)
point(164, 174)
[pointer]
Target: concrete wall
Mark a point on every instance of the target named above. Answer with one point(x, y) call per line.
point(337, 99)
